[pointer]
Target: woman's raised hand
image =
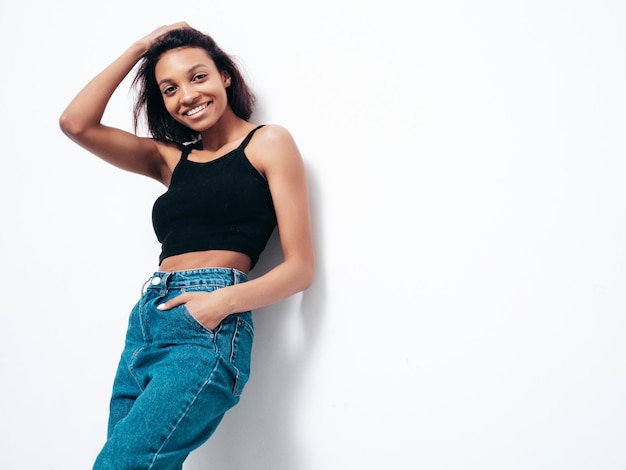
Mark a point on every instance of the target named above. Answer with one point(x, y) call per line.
point(149, 39)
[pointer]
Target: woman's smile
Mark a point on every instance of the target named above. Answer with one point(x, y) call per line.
point(197, 112)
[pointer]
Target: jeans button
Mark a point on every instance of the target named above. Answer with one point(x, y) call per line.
point(156, 281)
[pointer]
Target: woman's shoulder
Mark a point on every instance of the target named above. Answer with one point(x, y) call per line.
point(170, 156)
point(272, 147)
point(273, 137)
point(168, 150)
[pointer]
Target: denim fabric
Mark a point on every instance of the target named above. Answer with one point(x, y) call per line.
point(176, 378)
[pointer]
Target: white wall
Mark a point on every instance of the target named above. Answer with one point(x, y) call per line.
point(466, 163)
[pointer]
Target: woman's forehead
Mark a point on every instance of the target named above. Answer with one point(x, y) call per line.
point(181, 58)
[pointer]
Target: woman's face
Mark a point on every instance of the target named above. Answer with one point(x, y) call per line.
point(193, 89)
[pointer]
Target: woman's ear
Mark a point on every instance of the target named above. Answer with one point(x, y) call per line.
point(226, 79)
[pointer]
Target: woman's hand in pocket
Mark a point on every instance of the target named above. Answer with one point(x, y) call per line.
point(208, 308)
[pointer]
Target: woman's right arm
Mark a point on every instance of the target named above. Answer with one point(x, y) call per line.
point(81, 120)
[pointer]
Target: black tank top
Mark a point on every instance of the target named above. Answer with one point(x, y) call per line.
point(224, 204)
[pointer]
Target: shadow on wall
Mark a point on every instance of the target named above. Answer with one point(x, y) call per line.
point(261, 431)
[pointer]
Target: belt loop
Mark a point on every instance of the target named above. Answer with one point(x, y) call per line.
point(235, 277)
point(164, 282)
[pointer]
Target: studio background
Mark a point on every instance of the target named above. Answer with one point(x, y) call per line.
point(466, 170)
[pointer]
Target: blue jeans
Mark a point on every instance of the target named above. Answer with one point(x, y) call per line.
point(176, 378)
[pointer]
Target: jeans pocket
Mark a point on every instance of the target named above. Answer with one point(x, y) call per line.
point(188, 314)
point(196, 323)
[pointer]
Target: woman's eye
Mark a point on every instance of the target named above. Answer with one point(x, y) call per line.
point(199, 76)
point(168, 90)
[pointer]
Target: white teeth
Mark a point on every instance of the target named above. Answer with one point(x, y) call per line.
point(195, 110)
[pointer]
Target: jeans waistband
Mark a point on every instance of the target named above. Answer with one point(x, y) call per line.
point(195, 277)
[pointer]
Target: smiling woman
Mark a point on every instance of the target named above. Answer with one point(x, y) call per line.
point(229, 182)
point(181, 85)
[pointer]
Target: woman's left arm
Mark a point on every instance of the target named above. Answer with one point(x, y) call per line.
point(279, 159)
point(276, 155)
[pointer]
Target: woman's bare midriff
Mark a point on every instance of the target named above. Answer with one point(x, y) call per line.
point(206, 259)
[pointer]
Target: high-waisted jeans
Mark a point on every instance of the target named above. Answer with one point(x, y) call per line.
point(176, 378)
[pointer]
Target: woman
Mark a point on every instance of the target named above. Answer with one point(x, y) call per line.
point(230, 183)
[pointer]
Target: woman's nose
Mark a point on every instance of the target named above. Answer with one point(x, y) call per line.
point(187, 95)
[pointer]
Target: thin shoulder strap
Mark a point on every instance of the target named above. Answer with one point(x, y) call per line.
point(185, 153)
point(249, 136)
